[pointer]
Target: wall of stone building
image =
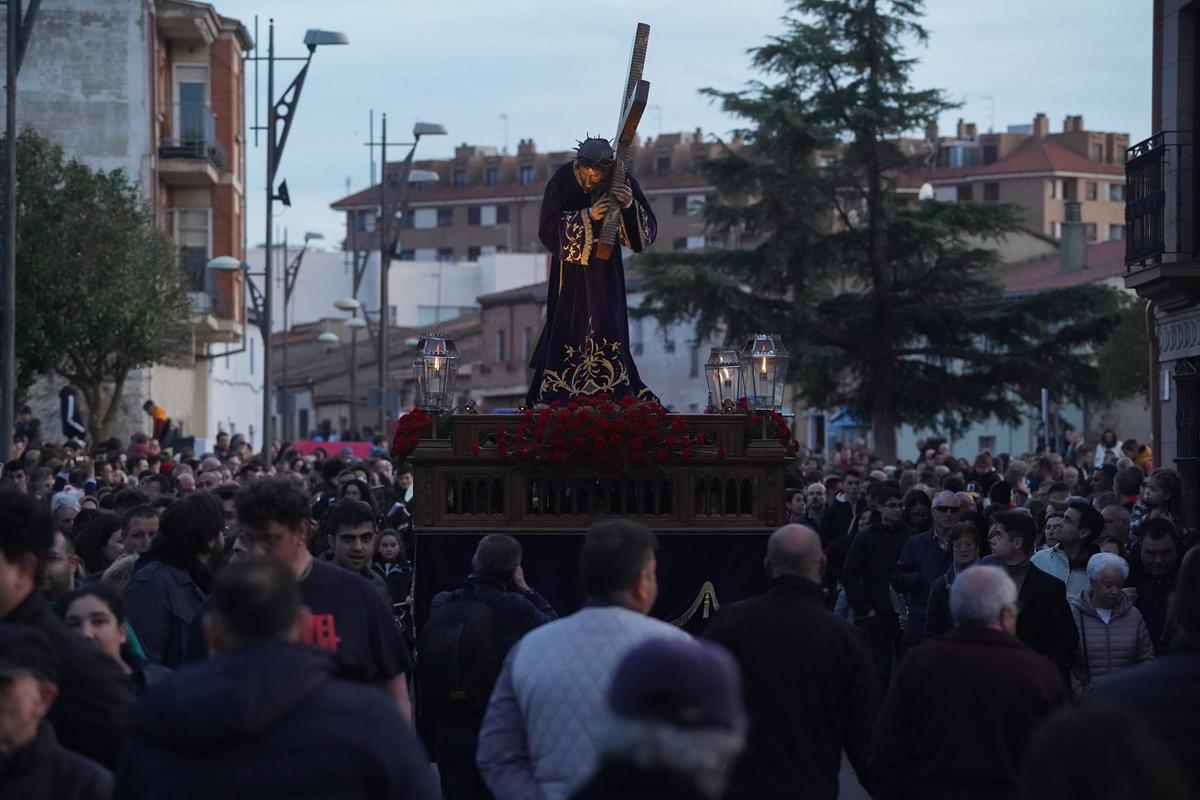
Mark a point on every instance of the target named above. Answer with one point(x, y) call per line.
point(85, 83)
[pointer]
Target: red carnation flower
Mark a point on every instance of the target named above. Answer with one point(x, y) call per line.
point(578, 443)
point(677, 424)
point(636, 443)
point(616, 440)
point(670, 441)
point(475, 448)
point(686, 453)
point(661, 455)
point(638, 457)
point(721, 453)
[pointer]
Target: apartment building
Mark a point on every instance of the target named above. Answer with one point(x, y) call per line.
point(1030, 167)
point(155, 88)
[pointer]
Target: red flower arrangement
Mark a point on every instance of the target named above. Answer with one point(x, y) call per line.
point(410, 429)
point(598, 430)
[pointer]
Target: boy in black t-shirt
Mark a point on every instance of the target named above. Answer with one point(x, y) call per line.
point(349, 618)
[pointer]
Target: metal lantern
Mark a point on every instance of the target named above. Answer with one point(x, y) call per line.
point(764, 365)
point(435, 369)
point(723, 370)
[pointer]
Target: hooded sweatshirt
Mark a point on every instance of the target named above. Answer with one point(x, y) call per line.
point(209, 729)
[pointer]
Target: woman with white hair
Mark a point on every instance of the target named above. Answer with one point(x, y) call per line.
point(1112, 633)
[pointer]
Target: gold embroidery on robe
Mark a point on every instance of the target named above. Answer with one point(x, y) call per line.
point(589, 369)
point(577, 235)
point(643, 225)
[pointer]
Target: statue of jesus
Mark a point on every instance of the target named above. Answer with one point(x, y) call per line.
point(584, 346)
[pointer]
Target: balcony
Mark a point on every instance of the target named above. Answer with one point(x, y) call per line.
point(1162, 207)
point(190, 153)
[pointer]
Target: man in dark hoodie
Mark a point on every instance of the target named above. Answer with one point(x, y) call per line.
point(266, 717)
point(842, 516)
point(866, 577)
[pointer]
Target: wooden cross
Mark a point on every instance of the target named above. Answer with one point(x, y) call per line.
point(633, 103)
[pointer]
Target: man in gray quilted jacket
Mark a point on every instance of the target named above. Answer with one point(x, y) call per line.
point(548, 712)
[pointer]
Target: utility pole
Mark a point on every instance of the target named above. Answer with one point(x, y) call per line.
point(18, 33)
point(384, 264)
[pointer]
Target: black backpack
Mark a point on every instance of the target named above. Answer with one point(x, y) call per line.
point(458, 660)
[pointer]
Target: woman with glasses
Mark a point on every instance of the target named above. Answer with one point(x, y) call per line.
point(966, 541)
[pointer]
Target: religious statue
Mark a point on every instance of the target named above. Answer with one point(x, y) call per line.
point(590, 203)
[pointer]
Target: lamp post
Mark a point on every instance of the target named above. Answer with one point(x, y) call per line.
point(726, 384)
point(20, 28)
point(279, 111)
point(355, 324)
point(386, 244)
point(435, 369)
point(290, 273)
point(764, 363)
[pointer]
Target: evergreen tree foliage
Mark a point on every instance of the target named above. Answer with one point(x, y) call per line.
point(892, 310)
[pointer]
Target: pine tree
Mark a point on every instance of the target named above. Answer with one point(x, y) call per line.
point(894, 312)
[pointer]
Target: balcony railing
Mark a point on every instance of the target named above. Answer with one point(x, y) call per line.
point(1159, 173)
point(193, 135)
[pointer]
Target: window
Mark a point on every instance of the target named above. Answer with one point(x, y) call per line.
point(473, 215)
point(1056, 189)
point(989, 155)
point(680, 243)
point(492, 176)
point(364, 220)
point(991, 192)
point(192, 118)
point(636, 335)
point(526, 343)
point(1097, 152)
point(965, 192)
point(460, 178)
point(408, 219)
point(473, 253)
point(662, 166)
point(695, 204)
point(500, 347)
point(1091, 231)
point(191, 235)
point(987, 443)
point(1116, 192)
point(1116, 233)
point(679, 205)
point(408, 255)
point(445, 254)
point(1093, 190)
point(696, 242)
point(445, 217)
point(426, 254)
point(501, 215)
point(487, 215)
point(425, 218)
point(694, 353)
point(526, 175)
point(1056, 230)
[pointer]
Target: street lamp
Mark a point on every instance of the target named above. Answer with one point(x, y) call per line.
point(281, 111)
point(386, 245)
point(354, 324)
point(291, 271)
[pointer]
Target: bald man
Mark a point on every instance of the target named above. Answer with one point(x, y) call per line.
point(809, 685)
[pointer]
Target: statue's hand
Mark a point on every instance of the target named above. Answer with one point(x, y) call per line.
point(600, 208)
point(624, 195)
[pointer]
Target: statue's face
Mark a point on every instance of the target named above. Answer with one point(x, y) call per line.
point(589, 176)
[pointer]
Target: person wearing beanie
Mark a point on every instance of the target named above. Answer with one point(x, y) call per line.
point(678, 724)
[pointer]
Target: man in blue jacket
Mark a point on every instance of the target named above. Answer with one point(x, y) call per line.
point(267, 717)
point(924, 559)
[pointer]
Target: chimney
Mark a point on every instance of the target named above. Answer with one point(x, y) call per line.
point(525, 147)
point(960, 131)
point(1073, 124)
point(931, 132)
point(1072, 249)
point(972, 131)
point(1041, 126)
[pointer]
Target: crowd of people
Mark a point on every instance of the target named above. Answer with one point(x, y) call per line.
point(222, 624)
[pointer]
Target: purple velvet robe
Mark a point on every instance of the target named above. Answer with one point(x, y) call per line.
point(584, 345)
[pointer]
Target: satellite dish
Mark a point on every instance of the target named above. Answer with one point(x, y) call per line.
point(926, 192)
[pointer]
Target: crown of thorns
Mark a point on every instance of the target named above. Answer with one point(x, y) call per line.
point(594, 152)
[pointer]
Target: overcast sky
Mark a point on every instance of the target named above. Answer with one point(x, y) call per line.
point(555, 69)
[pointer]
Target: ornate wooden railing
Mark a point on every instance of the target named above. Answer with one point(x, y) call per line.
point(459, 490)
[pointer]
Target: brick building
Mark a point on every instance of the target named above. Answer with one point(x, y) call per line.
point(1031, 167)
point(485, 201)
point(155, 88)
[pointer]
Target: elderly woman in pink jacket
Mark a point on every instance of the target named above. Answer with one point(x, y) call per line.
point(1112, 633)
